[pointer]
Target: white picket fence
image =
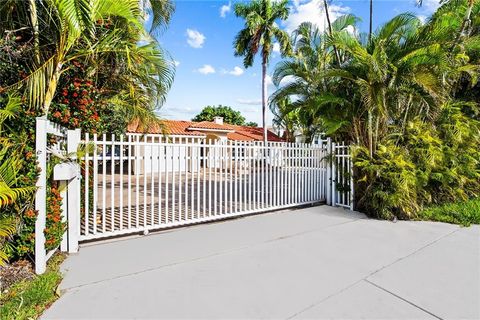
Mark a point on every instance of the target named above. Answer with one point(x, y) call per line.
point(138, 183)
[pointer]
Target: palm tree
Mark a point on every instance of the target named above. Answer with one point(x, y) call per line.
point(330, 30)
point(258, 35)
point(303, 79)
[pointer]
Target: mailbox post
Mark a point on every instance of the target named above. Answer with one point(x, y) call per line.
point(68, 173)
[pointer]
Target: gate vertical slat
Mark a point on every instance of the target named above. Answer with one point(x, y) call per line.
point(215, 179)
point(153, 158)
point(204, 173)
point(197, 163)
point(137, 180)
point(159, 178)
point(104, 181)
point(95, 184)
point(174, 173)
point(87, 185)
point(234, 177)
point(112, 182)
point(167, 184)
point(145, 186)
point(209, 165)
point(129, 185)
point(192, 209)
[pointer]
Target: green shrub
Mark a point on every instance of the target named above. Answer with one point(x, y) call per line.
point(431, 163)
point(463, 213)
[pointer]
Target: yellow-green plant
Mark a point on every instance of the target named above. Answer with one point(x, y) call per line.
point(10, 164)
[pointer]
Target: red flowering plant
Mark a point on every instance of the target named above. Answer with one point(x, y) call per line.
point(75, 104)
point(55, 227)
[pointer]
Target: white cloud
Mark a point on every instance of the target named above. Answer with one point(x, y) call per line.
point(195, 39)
point(313, 11)
point(430, 6)
point(206, 69)
point(237, 71)
point(253, 102)
point(226, 8)
point(422, 18)
point(276, 47)
point(269, 81)
point(176, 63)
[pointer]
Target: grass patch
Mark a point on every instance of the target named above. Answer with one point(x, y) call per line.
point(462, 213)
point(29, 298)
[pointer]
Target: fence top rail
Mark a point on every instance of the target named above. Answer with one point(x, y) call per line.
point(120, 140)
point(109, 143)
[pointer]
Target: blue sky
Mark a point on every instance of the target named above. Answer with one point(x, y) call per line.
point(200, 39)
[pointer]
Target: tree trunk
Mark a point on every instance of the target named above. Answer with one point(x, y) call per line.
point(370, 30)
point(370, 133)
point(337, 55)
point(465, 23)
point(34, 21)
point(264, 101)
point(51, 89)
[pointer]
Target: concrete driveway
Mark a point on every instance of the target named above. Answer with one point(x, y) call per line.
point(319, 262)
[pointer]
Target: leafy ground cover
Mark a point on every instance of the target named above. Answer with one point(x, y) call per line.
point(463, 213)
point(28, 298)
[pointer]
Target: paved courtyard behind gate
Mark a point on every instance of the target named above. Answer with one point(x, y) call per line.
point(317, 262)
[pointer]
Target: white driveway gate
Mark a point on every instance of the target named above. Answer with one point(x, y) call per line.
point(190, 181)
point(141, 183)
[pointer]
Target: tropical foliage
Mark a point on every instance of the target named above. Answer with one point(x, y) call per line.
point(11, 192)
point(405, 99)
point(258, 35)
point(87, 64)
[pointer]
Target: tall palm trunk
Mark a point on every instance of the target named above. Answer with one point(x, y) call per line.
point(34, 21)
point(337, 55)
point(465, 23)
point(264, 100)
point(51, 89)
point(370, 29)
point(370, 133)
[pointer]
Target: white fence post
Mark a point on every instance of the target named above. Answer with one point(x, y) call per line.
point(352, 188)
point(328, 196)
point(74, 198)
point(41, 195)
point(334, 174)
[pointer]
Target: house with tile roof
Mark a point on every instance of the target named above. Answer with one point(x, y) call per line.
point(216, 130)
point(188, 132)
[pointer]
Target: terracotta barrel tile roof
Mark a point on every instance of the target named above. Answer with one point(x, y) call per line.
point(210, 125)
point(180, 127)
point(172, 127)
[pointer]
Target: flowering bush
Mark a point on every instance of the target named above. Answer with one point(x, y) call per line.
point(75, 106)
point(55, 227)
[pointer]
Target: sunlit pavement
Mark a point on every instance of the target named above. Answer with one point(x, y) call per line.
point(318, 262)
